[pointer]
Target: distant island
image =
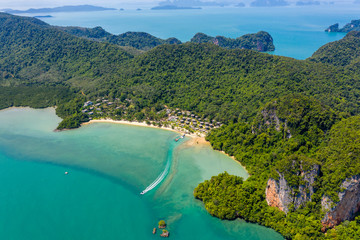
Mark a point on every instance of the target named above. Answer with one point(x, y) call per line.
point(172, 7)
point(354, 25)
point(79, 8)
point(43, 16)
point(240, 4)
point(269, 3)
point(307, 3)
point(186, 4)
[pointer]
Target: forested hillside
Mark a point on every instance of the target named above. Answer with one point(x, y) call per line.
point(344, 52)
point(230, 85)
point(226, 85)
point(261, 41)
point(288, 121)
point(138, 40)
point(35, 56)
point(292, 140)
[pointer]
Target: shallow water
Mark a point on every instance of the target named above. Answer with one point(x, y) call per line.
point(108, 165)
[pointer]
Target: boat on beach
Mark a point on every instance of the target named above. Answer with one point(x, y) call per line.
point(178, 138)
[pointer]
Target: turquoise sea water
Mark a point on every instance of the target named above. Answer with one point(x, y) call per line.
point(109, 165)
point(297, 31)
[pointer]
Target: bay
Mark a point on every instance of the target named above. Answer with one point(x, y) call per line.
point(108, 166)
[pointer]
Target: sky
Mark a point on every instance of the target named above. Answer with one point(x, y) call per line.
point(25, 4)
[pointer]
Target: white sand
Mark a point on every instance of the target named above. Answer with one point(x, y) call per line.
point(144, 124)
point(197, 138)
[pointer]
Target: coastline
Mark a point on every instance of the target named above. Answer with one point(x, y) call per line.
point(144, 124)
point(196, 139)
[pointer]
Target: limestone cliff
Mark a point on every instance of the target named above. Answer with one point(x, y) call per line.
point(280, 194)
point(347, 206)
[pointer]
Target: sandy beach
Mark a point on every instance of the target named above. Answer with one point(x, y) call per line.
point(144, 124)
point(196, 139)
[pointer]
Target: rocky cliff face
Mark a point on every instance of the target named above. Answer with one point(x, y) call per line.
point(348, 205)
point(281, 195)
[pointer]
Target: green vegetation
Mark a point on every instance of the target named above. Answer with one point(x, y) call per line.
point(341, 155)
point(273, 124)
point(138, 40)
point(73, 121)
point(162, 223)
point(71, 113)
point(36, 96)
point(212, 82)
point(261, 41)
point(345, 52)
point(346, 230)
point(289, 135)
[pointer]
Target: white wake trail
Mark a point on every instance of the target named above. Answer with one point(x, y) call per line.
point(158, 179)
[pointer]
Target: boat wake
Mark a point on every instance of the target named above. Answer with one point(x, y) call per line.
point(159, 179)
point(163, 174)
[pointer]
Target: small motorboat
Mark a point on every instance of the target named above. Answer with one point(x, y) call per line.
point(142, 193)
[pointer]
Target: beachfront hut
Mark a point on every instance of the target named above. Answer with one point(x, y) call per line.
point(88, 103)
